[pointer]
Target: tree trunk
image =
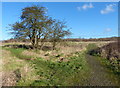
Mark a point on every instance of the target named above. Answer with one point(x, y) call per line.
point(33, 43)
point(37, 42)
point(34, 39)
point(54, 44)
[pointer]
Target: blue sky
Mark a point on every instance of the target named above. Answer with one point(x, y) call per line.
point(86, 20)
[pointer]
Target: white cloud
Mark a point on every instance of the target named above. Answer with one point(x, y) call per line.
point(108, 29)
point(109, 8)
point(79, 8)
point(85, 6)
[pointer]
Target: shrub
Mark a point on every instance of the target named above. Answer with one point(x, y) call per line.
point(91, 46)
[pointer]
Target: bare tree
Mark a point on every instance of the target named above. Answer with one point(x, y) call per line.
point(32, 25)
point(37, 26)
point(58, 32)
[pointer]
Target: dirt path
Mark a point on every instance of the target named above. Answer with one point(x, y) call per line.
point(99, 76)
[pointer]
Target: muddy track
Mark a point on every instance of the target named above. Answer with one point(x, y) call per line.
point(99, 76)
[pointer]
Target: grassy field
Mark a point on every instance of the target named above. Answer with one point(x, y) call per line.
point(46, 67)
point(65, 66)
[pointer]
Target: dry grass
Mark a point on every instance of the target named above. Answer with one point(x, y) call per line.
point(11, 64)
point(63, 50)
point(8, 77)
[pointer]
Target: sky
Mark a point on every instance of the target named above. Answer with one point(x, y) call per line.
point(85, 19)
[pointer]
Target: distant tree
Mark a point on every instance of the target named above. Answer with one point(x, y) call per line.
point(58, 32)
point(32, 25)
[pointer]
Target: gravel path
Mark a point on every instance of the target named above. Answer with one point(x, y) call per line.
point(99, 76)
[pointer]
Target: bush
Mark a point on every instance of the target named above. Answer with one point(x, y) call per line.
point(92, 49)
point(91, 46)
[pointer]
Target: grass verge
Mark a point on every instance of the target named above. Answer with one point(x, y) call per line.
point(70, 73)
point(112, 67)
